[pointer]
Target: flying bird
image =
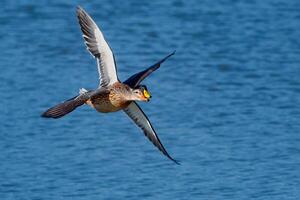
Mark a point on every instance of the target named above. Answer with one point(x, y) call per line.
point(111, 95)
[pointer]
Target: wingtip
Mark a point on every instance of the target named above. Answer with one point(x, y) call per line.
point(78, 7)
point(45, 115)
point(79, 10)
point(176, 162)
point(172, 159)
point(171, 54)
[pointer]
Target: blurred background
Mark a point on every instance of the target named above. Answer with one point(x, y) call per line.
point(226, 104)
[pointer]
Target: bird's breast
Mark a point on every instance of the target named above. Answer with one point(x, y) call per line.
point(108, 102)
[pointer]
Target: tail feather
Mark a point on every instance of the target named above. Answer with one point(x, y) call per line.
point(64, 108)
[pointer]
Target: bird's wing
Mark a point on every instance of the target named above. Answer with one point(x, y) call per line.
point(139, 117)
point(65, 107)
point(99, 48)
point(137, 78)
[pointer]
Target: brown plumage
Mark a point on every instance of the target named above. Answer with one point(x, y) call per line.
point(112, 99)
point(112, 95)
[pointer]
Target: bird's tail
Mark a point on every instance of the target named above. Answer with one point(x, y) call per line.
point(67, 106)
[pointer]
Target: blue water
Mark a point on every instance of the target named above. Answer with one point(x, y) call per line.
point(227, 105)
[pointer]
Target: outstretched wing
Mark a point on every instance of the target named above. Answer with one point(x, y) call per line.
point(137, 78)
point(99, 48)
point(139, 117)
point(66, 107)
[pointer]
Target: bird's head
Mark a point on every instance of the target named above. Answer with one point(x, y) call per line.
point(141, 93)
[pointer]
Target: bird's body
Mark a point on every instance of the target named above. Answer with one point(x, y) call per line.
point(110, 99)
point(112, 95)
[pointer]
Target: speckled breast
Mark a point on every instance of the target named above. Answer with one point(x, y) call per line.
point(108, 101)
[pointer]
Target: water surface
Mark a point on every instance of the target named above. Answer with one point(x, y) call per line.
point(226, 105)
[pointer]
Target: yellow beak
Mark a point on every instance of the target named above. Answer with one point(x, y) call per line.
point(146, 94)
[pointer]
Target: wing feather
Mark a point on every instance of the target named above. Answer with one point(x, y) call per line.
point(137, 78)
point(99, 48)
point(141, 120)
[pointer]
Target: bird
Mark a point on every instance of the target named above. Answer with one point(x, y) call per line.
point(112, 94)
